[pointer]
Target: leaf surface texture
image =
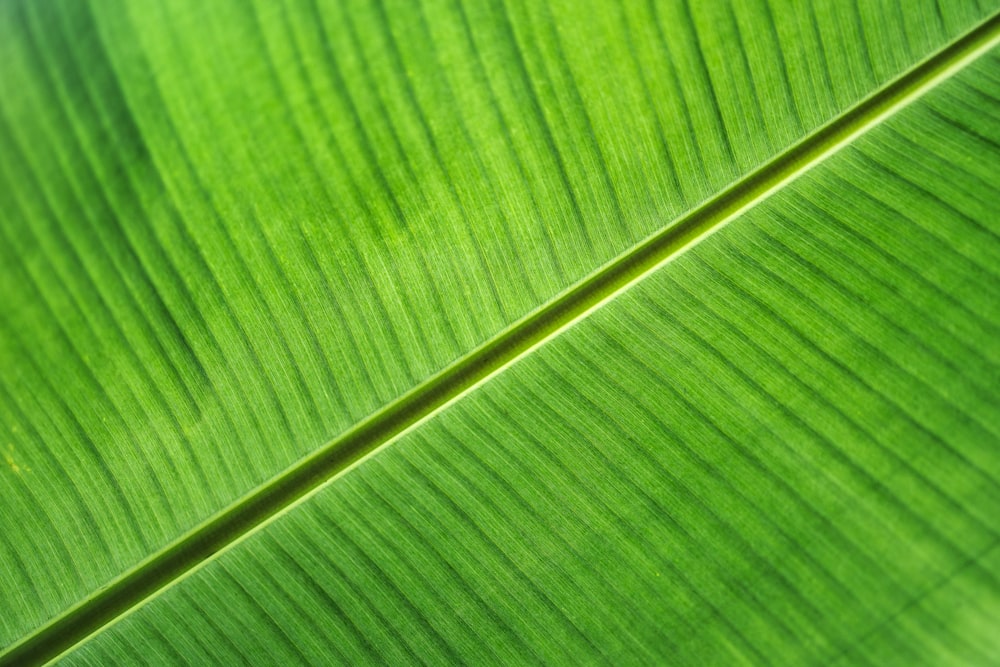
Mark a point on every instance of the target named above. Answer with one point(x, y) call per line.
point(232, 232)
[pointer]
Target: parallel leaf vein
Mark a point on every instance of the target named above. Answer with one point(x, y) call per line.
point(282, 493)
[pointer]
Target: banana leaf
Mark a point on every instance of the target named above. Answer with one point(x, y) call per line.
point(500, 332)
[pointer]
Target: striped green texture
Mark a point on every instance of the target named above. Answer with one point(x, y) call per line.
point(232, 231)
point(779, 449)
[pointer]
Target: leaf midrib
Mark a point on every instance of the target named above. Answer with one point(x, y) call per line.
point(265, 503)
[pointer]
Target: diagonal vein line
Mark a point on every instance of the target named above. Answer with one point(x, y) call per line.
point(966, 566)
point(261, 506)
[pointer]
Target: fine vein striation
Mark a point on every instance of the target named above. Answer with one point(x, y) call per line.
point(279, 495)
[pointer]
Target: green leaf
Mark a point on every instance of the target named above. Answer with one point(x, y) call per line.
point(316, 344)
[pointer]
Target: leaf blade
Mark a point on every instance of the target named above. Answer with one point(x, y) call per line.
point(603, 501)
point(271, 374)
